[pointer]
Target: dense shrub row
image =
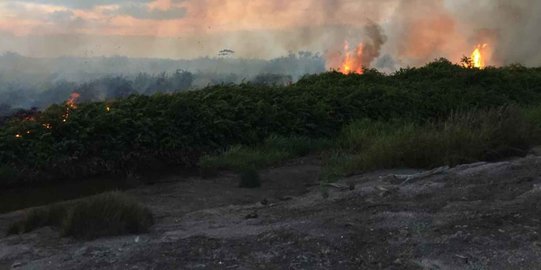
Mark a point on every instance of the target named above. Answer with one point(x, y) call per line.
point(178, 128)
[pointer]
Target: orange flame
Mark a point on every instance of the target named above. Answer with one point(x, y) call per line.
point(71, 104)
point(478, 57)
point(352, 62)
point(72, 101)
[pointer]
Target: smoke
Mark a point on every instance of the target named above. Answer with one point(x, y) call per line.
point(511, 27)
point(374, 43)
point(421, 31)
point(396, 33)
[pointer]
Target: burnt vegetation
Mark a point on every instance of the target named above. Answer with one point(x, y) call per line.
point(180, 128)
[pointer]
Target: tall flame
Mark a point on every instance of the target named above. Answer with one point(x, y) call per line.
point(478, 57)
point(353, 61)
point(71, 104)
point(72, 100)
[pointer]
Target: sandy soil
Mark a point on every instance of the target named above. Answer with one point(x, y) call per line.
point(476, 216)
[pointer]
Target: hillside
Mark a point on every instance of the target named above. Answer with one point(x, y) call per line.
point(474, 216)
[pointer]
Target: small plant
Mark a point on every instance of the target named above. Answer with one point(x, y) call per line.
point(107, 214)
point(467, 62)
point(273, 151)
point(249, 178)
point(461, 138)
point(40, 217)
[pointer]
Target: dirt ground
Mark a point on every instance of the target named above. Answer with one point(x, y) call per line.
point(476, 216)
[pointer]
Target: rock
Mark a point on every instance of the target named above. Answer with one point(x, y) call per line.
point(536, 151)
point(337, 186)
point(462, 258)
point(252, 215)
point(80, 252)
point(325, 194)
point(16, 265)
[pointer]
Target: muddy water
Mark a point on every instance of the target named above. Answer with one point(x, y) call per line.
point(20, 198)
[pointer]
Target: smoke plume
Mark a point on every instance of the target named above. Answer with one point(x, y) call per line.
point(396, 33)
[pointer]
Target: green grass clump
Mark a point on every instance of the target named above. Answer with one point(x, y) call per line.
point(52, 215)
point(239, 157)
point(273, 151)
point(107, 214)
point(461, 138)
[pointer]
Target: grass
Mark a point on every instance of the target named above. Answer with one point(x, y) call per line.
point(365, 145)
point(461, 138)
point(107, 214)
point(52, 215)
point(273, 151)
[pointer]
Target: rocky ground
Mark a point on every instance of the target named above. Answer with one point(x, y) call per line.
point(476, 216)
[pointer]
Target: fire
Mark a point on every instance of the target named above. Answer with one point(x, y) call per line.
point(72, 100)
point(71, 104)
point(478, 58)
point(353, 61)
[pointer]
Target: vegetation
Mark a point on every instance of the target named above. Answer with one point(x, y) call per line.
point(462, 138)
point(180, 128)
point(272, 151)
point(106, 214)
point(53, 216)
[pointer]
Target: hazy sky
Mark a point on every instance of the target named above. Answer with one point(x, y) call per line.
point(176, 28)
point(415, 31)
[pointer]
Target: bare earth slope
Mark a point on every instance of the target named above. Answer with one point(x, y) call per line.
point(477, 216)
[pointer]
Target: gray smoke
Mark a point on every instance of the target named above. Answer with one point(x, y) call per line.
point(404, 32)
point(373, 43)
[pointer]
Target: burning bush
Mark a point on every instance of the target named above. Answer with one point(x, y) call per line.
point(180, 128)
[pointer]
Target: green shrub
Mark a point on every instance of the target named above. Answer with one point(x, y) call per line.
point(40, 217)
point(240, 157)
point(462, 138)
point(273, 151)
point(107, 214)
point(249, 178)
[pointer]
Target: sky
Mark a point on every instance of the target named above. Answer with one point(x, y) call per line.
point(175, 28)
point(413, 31)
